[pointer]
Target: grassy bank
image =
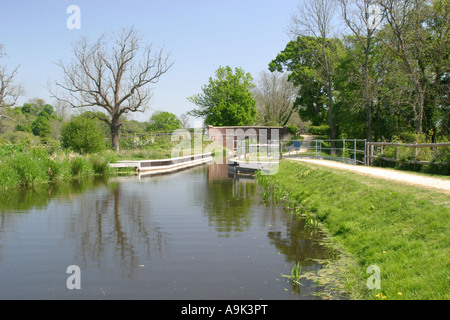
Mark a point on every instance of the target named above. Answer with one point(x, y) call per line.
point(23, 166)
point(401, 229)
point(26, 165)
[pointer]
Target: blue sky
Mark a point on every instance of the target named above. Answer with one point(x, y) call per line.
point(201, 35)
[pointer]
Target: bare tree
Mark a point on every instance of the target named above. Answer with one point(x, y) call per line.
point(184, 118)
point(9, 92)
point(116, 79)
point(362, 18)
point(275, 97)
point(62, 109)
point(314, 18)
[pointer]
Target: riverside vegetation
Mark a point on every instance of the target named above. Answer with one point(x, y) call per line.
point(401, 229)
point(24, 166)
point(27, 164)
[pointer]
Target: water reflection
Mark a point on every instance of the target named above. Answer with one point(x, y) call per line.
point(114, 223)
point(200, 233)
point(227, 202)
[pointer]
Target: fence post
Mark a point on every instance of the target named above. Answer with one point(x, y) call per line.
point(354, 150)
point(343, 149)
point(365, 152)
point(316, 148)
point(371, 154)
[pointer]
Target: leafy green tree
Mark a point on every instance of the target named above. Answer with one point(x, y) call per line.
point(226, 100)
point(101, 120)
point(299, 61)
point(163, 120)
point(83, 134)
point(47, 112)
point(41, 127)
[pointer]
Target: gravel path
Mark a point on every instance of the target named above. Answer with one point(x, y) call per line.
point(405, 177)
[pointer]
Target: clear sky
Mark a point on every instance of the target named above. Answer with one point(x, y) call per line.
point(202, 35)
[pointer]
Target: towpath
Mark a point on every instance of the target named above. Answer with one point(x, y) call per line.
point(390, 174)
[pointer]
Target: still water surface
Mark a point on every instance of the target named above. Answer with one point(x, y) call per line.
point(195, 234)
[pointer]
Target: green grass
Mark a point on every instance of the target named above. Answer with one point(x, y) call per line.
point(162, 147)
point(401, 229)
point(28, 167)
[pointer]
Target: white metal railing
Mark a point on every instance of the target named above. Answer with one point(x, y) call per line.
point(253, 151)
point(351, 151)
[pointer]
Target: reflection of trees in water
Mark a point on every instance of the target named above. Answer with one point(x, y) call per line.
point(17, 203)
point(227, 204)
point(114, 225)
point(297, 243)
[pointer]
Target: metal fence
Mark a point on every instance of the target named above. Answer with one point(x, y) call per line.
point(350, 151)
point(251, 150)
point(345, 150)
point(411, 153)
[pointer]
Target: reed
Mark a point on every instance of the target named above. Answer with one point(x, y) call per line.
point(29, 167)
point(295, 273)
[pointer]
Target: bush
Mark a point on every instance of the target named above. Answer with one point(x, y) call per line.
point(81, 167)
point(58, 169)
point(322, 130)
point(409, 137)
point(30, 169)
point(8, 175)
point(83, 135)
point(99, 164)
point(41, 127)
point(292, 129)
point(19, 137)
point(22, 166)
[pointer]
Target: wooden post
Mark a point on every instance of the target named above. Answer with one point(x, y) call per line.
point(371, 154)
point(365, 152)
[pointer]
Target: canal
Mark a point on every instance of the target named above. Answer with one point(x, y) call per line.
point(196, 234)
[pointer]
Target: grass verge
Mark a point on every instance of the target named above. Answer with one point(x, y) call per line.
point(403, 230)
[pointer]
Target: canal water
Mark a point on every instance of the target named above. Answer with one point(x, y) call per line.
point(196, 234)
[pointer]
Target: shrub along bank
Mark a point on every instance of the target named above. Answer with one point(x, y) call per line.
point(400, 229)
point(22, 166)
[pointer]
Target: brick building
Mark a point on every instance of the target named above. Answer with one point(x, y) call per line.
point(228, 136)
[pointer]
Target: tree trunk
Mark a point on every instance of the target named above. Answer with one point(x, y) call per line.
point(368, 121)
point(330, 115)
point(419, 116)
point(418, 108)
point(367, 95)
point(115, 136)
